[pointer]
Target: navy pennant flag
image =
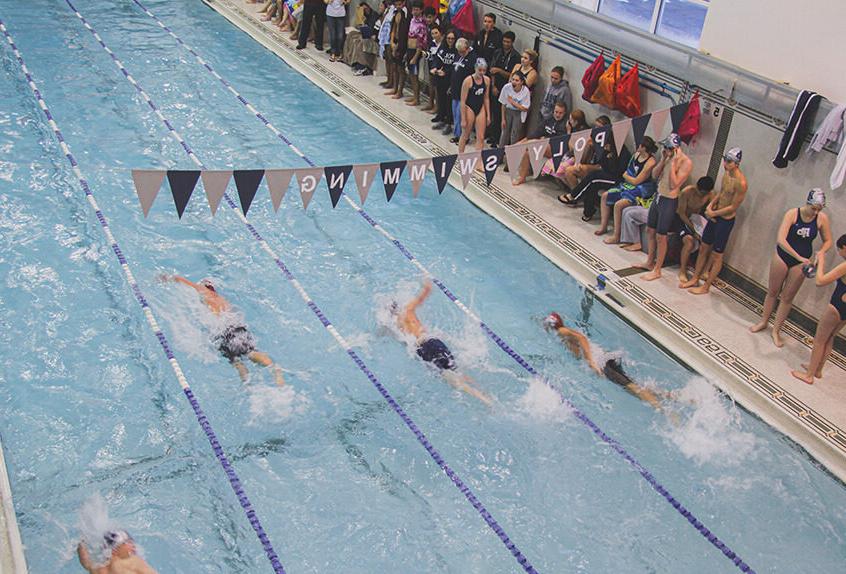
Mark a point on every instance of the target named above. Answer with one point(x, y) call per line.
point(560, 147)
point(677, 113)
point(336, 178)
point(639, 125)
point(491, 158)
point(442, 166)
point(600, 135)
point(247, 182)
point(391, 174)
point(182, 184)
point(147, 185)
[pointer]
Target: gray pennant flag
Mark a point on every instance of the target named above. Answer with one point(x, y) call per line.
point(278, 181)
point(308, 179)
point(659, 119)
point(581, 143)
point(467, 163)
point(514, 156)
point(365, 174)
point(621, 132)
point(215, 182)
point(148, 182)
point(416, 169)
point(537, 155)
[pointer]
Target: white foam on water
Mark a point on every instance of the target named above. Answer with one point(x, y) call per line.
point(275, 404)
point(541, 403)
point(191, 323)
point(94, 523)
point(709, 430)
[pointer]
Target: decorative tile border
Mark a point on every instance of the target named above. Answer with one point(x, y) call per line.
point(804, 415)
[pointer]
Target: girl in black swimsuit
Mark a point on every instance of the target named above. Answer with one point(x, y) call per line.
point(474, 106)
point(799, 228)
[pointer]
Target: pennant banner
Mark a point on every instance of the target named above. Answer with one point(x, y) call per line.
point(247, 182)
point(514, 156)
point(182, 184)
point(215, 183)
point(537, 155)
point(391, 173)
point(559, 146)
point(659, 120)
point(677, 113)
point(278, 181)
point(417, 169)
point(621, 132)
point(639, 125)
point(336, 179)
point(148, 182)
point(442, 167)
point(467, 163)
point(581, 143)
point(308, 179)
point(364, 175)
point(600, 135)
point(491, 158)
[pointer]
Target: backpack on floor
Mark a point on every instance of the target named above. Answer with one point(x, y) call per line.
point(627, 94)
point(591, 78)
point(604, 93)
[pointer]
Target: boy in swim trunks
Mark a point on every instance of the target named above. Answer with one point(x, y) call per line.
point(692, 201)
point(233, 341)
point(433, 350)
point(120, 547)
point(721, 213)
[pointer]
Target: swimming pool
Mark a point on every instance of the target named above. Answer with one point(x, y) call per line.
point(90, 406)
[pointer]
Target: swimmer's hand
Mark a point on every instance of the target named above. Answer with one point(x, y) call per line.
point(164, 277)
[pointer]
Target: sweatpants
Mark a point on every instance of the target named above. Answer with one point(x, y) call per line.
point(318, 14)
point(513, 131)
point(634, 218)
point(799, 125)
point(591, 187)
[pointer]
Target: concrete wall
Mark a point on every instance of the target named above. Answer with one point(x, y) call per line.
point(771, 191)
point(796, 43)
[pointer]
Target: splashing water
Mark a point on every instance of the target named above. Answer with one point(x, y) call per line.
point(540, 402)
point(94, 523)
point(711, 429)
point(274, 404)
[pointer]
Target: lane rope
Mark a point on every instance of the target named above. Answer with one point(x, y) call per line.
point(497, 339)
point(419, 435)
point(202, 419)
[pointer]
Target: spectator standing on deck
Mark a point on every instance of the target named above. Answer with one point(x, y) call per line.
point(462, 69)
point(528, 66)
point(503, 62)
point(312, 10)
point(515, 100)
point(441, 69)
point(336, 16)
point(418, 41)
point(489, 38)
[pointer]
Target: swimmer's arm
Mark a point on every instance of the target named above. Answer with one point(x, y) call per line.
point(461, 383)
point(825, 231)
point(824, 278)
point(735, 205)
point(645, 395)
point(679, 174)
point(421, 297)
point(644, 175)
point(184, 281)
point(84, 558)
point(681, 210)
point(583, 344)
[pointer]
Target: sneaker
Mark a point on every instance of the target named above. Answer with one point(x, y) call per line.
point(436, 120)
point(367, 72)
point(453, 140)
point(300, 47)
point(319, 48)
point(447, 130)
point(439, 126)
point(358, 72)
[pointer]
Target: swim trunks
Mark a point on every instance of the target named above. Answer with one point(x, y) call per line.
point(235, 341)
point(717, 233)
point(436, 352)
point(662, 214)
point(613, 370)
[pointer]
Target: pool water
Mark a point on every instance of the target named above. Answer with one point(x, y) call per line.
point(89, 406)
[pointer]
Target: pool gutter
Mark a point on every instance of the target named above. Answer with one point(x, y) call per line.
point(822, 439)
point(12, 560)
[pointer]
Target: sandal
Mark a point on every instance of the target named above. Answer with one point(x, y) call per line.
point(586, 218)
point(566, 199)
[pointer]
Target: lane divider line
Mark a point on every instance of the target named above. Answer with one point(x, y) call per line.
point(498, 340)
point(202, 419)
point(412, 426)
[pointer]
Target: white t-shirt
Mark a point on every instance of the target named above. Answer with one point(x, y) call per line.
point(524, 98)
point(336, 9)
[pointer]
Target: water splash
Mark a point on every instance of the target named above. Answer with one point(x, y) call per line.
point(540, 402)
point(275, 404)
point(94, 522)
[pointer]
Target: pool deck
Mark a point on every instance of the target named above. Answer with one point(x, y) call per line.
point(709, 333)
point(12, 559)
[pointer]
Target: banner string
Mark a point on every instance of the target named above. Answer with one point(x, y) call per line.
point(383, 391)
point(497, 339)
point(202, 419)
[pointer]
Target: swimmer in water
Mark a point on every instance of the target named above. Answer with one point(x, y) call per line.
point(120, 548)
point(579, 345)
point(233, 340)
point(433, 350)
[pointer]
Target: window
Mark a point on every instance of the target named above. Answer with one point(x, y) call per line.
point(677, 20)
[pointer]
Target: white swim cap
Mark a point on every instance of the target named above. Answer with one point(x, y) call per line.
point(816, 197)
point(114, 539)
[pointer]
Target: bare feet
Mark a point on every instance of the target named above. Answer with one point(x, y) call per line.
point(632, 247)
point(602, 231)
point(804, 377)
point(777, 339)
point(648, 265)
point(652, 276)
point(391, 93)
point(682, 277)
point(611, 240)
point(758, 327)
point(701, 290)
point(412, 102)
point(519, 181)
point(279, 377)
point(692, 282)
point(396, 96)
point(818, 374)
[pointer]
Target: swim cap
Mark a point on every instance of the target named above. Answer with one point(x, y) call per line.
point(809, 270)
point(735, 154)
point(206, 282)
point(481, 63)
point(816, 197)
point(672, 141)
point(553, 321)
point(113, 539)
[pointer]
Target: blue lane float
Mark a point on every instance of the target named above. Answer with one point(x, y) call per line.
point(492, 523)
point(202, 419)
point(490, 333)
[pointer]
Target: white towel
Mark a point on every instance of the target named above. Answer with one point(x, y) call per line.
point(830, 129)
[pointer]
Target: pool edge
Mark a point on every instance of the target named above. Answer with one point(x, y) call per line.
point(12, 557)
point(820, 438)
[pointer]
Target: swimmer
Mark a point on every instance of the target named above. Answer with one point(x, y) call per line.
point(233, 341)
point(433, 350)
point(120, 548)
point(579, 345)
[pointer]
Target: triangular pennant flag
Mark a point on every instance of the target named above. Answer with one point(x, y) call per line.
point(659, 120)
point(278, 181)
point(514, 155)
point(467, 163)
point(391, 174)
point(247, 182)
point(537, 157)
point(364, 175)
point(621, 132)
point(677, 113)
point(336, 179)
point(560, 147)
point(308, 180)
point(600, 135)
point(581, 143)
point(491, 158)
point(182, 184)
point(215, 182)
point(442, 166)
point(147, 185)
point(639, 125)
point(417, 169)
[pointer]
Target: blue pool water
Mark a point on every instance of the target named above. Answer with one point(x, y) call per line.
point(90, 407)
